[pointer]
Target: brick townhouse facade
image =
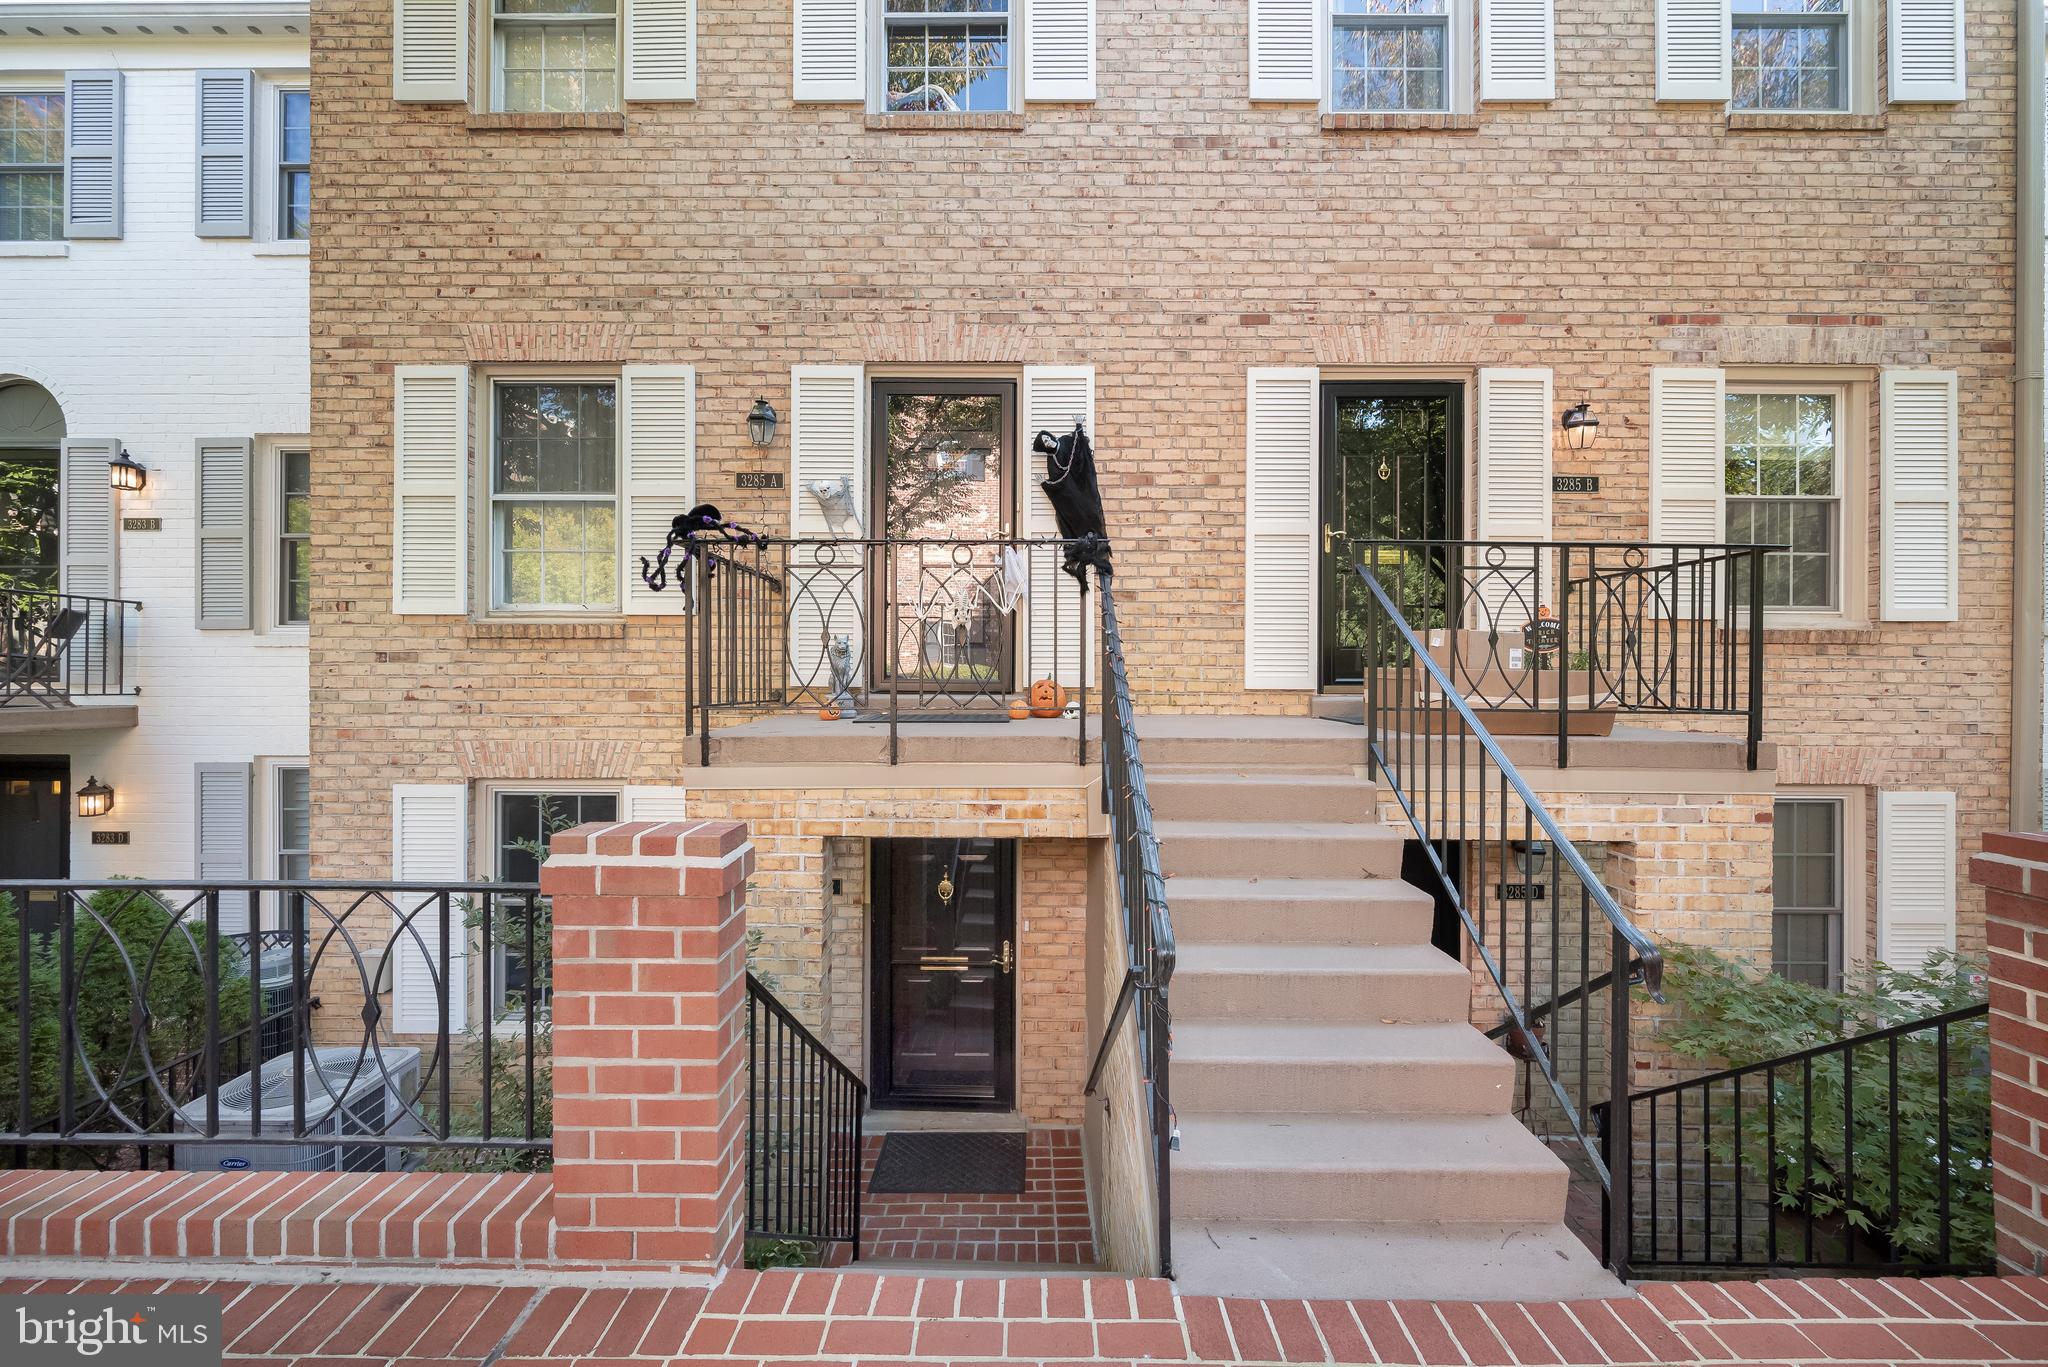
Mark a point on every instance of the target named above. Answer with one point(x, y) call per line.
point(1229, 235)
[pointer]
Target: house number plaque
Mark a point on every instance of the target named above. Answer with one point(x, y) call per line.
point(760, 479)
point(1524, 892)
point(142, 524)
point(1575, 484)
point(110, 837)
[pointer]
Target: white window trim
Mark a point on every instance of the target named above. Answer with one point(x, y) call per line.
point(1854, 391)
point(267, 800)
point(1858, 912)
point(877, 28)
point(39, 83)
point(489, 95)
point(1460, 63)
point(1859, 68)
point(484, 829)
point(483, 554)
point(271, 96)
point(267, 526)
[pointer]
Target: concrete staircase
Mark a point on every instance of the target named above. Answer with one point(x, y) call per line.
point(1345, 1130)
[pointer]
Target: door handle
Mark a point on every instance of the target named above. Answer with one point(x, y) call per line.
point(1008, 961)
point(1329, 535)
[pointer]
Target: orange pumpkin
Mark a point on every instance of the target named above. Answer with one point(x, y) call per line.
point(1047, 699)
point(1018, 710)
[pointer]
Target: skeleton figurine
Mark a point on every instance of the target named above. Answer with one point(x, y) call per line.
point(839, 656)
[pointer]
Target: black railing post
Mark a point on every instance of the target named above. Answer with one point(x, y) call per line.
point(1621, 1163)
point(700, 598)
point(1563, 655)
point(1756, 655)
point(891, 624)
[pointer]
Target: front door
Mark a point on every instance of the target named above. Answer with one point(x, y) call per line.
point(35, 820)
point(945, 955)
point(1391, 462)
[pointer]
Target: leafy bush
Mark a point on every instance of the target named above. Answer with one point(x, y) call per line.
point(1730, 1012)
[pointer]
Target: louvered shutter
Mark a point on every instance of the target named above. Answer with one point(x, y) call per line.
point(658, 414)
point(654, 803)
point(430, 50)
point(831, 47)
point(1919, 496)
point(1916, 877)
point(1286, 48)
point(1693, 37)
point(1060, 641)
point(429, 840)
point(226, 115)
point(1926, 39)
point(1280, 528)
point(92, 154)
point(827, 590)
point(1688, 489)
point(1517, 50)
point(429, 570)
point(661, 50)
point(220, 821)
point(224, 551)
point(1514, 491)
point(1059, 50)
point(88, 543)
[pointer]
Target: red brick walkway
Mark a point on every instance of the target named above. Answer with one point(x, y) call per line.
point(829, 1318)
point(1048, 1223)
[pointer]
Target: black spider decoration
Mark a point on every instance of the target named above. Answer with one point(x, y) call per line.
point(705, 520)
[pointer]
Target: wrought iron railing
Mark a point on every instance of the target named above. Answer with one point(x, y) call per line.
point(1558, 949)
point(1869, 1155)
point(1577, 629)
point(132, 1013)
point(804, 1111)
point(880, 631)
point(56, 648)
point(1147, 923)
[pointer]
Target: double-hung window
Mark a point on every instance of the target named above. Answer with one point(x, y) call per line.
point(1806, 896)
point(554, 495)
point(1783, 479)
point(294, 538)
point(294, 853)
point(947, 56)
point(294, 165)
point(1390, 56)
point(555, 56)
point(1791, 56)
point(31, 165)
point(525, 824)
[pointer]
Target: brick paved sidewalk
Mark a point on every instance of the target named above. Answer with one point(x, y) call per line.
point(830, 1317)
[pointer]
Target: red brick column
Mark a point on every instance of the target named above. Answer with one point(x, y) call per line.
point(2013, 871)
point(650, 1079)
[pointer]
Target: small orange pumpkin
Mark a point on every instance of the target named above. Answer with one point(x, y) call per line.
point(1047, 699)
point(1018, 710)
point(829, 712)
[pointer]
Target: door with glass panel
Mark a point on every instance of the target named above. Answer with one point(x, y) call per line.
point(945, 483)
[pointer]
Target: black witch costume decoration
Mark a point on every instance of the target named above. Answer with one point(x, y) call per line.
point(702, 520)
point(1076, 493)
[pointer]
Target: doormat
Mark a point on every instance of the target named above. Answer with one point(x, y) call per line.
point(974, 1163)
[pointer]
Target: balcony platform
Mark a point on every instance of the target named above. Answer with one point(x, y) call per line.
point(23, 718)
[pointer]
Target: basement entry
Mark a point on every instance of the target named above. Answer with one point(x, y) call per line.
point(975, 1163)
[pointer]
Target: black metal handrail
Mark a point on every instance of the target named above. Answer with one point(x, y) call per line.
point(1778, 1165)
point(89, 954)
point(56, 648)
point(804, 1110)
point(793, 624)
point(1147, 923)
point(1571, 628)
point(1532, 925)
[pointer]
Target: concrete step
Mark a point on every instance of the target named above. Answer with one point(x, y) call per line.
point(1251, 848)
point(1194, 795)
point(1329, 911)
point(1266, 1066)
point(1331, 1260)
point(1378, 1169)
point(1302, 743)
point(1339, 983)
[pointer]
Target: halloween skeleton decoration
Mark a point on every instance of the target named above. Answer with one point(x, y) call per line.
point(1071, 485)
point(704, 520)
point(843, 704)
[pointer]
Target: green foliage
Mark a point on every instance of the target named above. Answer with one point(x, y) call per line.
point(1731, 1012)
point(764, 1255)
point(44, 991)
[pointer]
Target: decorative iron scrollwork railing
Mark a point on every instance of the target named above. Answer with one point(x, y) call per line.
point(804, 1110)
point(56, 648)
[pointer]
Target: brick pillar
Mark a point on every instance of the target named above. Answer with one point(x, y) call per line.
point(2013, 871)
point(650, 1075)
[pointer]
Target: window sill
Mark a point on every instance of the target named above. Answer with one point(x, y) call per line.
point(613, 121)
point(939, 123)
point(1400, 123)
point(605, 629)
point(1776, 121)
point(292, 248)
point(44, 249)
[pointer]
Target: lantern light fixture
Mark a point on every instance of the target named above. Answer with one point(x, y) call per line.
point(95, 798)
point(761, 422)
point(124, 474)
point(1580, 425)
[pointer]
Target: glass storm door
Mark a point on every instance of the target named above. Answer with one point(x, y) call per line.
point(945, 973)
point(1390, 472)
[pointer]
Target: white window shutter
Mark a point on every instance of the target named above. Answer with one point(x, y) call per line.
point(1687, 484)
point(828, 423)
point(658, 415)
point(429, 843)
point(225, 116)
point(1514, 490)
point(224, 552)
point(1693, 38)
point(430, 51)
point(93, 114)
point(220, 820)
point(429, 560)
point(1926, 38)
point(1919, 478)
point(831, 50)
point(1286, 50)
point(1517, 50)
point(1060, 641)
point(661, 50)
point(1059, 50)
point(1281, 569)
point(1916, 877)
point(654, 803)
point(89, 543)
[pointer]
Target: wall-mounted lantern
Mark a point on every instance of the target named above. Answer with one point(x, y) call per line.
point(124, 474)
point(1580, 426)
point(761, 422)
point(95, 798)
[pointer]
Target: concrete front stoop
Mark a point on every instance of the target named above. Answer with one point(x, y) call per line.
point(1345, 1130)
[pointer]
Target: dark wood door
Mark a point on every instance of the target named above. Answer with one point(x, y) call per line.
point(35, 818)
point(944, 958)
point(1391, 470)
